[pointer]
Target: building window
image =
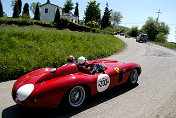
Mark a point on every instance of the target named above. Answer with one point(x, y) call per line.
point(46, 10)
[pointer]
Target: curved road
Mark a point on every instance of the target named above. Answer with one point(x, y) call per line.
point(154, 97)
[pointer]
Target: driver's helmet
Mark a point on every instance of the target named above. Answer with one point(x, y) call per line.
point(81, 60)
point(70, 59)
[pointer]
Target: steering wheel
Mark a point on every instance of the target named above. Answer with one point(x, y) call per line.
point(95, 68)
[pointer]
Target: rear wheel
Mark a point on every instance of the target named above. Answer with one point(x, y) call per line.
point(133, 78)
point(76, 96)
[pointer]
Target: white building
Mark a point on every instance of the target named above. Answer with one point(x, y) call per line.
point(48, 11)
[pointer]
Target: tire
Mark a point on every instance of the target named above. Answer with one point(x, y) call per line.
point(76, 97)
point(133, 78)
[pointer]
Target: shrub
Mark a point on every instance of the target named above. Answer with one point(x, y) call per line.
point(133, 31)
point(93, 24)
point(64, 24)
point(161, 37)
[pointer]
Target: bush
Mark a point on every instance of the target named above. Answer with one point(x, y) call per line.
point(64, 24)
point(133, 31)
point(122, 29)
point(161, 38)
point(170, 45)
point(93, 24)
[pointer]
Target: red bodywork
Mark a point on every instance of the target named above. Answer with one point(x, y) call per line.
point(49, 88)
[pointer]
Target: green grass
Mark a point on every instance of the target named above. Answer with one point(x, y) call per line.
point(24, 49)
point(167, 44)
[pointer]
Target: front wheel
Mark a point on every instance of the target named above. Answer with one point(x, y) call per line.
point(76, 96)
point(133, 78)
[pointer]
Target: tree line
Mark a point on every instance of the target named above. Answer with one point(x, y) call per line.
point(92, 13)
point(157, 31)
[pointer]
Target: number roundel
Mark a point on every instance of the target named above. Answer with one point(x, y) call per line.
point(103, 82)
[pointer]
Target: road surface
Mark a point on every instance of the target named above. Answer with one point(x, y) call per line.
point(154, 97)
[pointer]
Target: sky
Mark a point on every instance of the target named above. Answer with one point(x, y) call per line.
point(134, 12)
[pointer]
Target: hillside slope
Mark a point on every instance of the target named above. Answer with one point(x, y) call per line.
point(26, 48)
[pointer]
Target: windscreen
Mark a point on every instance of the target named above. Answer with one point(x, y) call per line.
point(144, 36)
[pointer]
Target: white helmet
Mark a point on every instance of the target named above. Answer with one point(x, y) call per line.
point(81, 60)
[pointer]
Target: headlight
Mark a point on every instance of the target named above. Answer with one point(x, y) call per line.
point(24, 91)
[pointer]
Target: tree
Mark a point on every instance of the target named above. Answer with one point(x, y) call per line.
point(133, 31)
point(163, 28)
point(19, 5)
point(156, 30)
point(37, 13)
point(106, 18)
point(15, 10)
point(92, 12)
point(1, 10)
point(33, 6)
point(161, 37)
point(57, 16)
point(68, 6)
point(76, 13)
point(13, 3)
point(25, 13)
point(151, 28)
point(116, 18)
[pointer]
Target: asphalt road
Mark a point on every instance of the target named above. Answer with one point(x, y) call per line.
point(153, 97)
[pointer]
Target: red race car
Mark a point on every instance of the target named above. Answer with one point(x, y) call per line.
point(48, 87)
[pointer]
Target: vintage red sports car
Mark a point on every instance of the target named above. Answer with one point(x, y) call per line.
point(48, 87)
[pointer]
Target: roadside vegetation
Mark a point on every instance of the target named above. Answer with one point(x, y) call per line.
point(28, 43)
point(170, 45)
point(157, 32)
point(63, 25)
point(26, 48)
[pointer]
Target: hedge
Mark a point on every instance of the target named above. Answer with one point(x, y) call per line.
point(64, 24)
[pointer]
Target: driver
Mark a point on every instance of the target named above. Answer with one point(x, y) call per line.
point(82, 65)
point(70, 60)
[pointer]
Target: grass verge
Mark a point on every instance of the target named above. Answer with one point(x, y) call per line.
point(167, 44)
point(27, 48)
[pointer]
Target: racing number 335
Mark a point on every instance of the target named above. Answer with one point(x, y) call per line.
point(103, 82)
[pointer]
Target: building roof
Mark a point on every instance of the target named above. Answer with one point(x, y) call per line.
point(48, 2)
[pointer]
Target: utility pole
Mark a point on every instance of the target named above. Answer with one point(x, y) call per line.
point(158, 14)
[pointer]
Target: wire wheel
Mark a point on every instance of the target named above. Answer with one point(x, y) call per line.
point(134, 76)
point(77, 96)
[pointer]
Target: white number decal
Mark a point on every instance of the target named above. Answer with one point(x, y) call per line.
point(103, 82)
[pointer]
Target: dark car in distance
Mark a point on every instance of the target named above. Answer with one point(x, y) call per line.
point(127, 36)
point(121, 34)
point(142, 38)
point(116, 33)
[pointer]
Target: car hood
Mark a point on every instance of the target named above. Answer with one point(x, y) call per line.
point(44, 74)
